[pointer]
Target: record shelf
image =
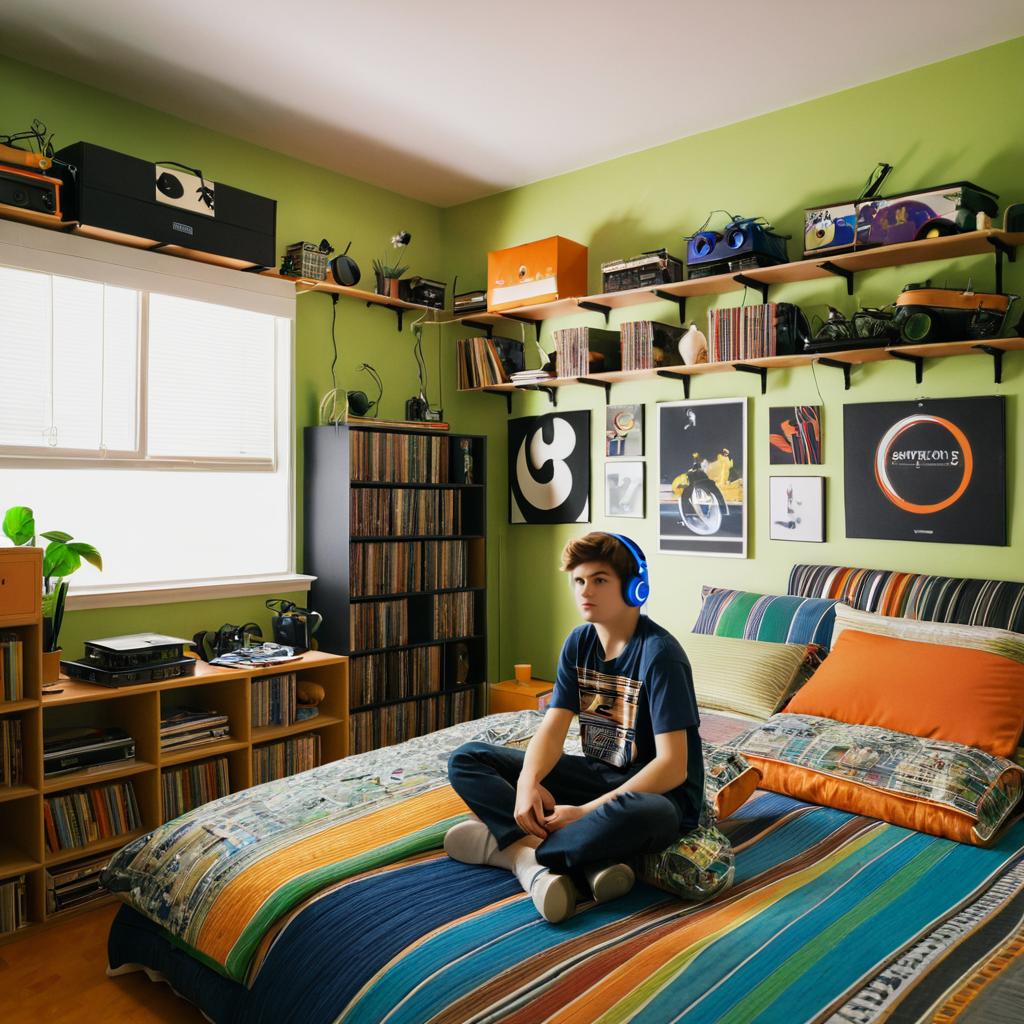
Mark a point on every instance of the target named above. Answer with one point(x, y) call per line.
point(395, 524)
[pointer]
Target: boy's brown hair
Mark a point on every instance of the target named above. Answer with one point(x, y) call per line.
point(599, 547)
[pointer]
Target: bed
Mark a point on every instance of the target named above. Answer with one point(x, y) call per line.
point(327, 898)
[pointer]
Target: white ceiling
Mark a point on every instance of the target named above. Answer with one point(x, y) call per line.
point(453, 100)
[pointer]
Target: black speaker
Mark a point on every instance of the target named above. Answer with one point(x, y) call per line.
point(28, 193)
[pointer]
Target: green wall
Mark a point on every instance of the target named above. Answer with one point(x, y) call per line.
point(962, 118)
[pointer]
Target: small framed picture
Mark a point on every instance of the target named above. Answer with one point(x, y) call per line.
point(794, 435)
point(624, 431)
point(625, 490)
point(797, 508)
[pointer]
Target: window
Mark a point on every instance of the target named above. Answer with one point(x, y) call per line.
point(146, 409)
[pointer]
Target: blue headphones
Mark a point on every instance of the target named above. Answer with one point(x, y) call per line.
point(636, 589)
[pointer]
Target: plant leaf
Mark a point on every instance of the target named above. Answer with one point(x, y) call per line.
point(56, 535)
point(60, 560)
point(19, 524)
point(88, 552)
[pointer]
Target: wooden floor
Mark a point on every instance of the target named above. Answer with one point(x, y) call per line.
point(58, 973)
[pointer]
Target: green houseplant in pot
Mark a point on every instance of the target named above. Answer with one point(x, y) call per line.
point(62, 557)
point(388, 270)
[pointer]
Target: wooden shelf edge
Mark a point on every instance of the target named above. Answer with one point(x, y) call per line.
point(201, 753)
point(100, 846)
point(16, 792)
point(269, 733)
point(79, 779)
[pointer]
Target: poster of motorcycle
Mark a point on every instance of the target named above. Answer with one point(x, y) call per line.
point(929, 470)
point(702, 477)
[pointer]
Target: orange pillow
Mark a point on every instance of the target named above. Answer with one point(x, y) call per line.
point(930, 690)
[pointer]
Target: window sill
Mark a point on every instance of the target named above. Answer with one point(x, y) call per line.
point(135, 594)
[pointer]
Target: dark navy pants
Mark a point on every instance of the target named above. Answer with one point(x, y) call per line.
point(485, 777)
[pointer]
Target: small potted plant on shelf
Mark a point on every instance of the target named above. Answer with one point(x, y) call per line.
point(388, 270)
point(62, 557)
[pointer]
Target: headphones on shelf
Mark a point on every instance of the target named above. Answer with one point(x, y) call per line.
point(637, 589)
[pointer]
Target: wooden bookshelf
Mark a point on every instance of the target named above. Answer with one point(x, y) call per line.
point(333, 499)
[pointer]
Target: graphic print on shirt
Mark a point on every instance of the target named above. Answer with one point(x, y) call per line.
point(608, 706)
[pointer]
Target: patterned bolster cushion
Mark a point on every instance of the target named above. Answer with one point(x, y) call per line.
point(935, 786)
point(773, 618)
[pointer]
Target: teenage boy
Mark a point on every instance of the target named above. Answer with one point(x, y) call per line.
point(556, 819)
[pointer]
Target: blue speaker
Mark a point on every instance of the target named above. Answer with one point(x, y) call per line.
point(636, 589)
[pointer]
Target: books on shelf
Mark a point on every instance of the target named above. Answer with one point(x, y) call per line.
point(13, 912)
point(388, 568)
point(76, 883)
point(286, 757)
point(11, 755)
point(394, 723)
point(190, 785)
point(390, 675)
point(378, 512)
point(378, 624)
point(647, 344)
point(484, 362)
point(273, 700)
point(183, 728)
point(585, 350)
point(75, 748)
point(399, 458)
point(85, 816)
point(12, 667)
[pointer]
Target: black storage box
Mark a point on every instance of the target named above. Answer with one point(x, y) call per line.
point(113, 195)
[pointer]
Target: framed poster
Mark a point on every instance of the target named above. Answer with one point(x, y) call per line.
point(796, 506)
point(931, 470)
point(549, 468)
point(794, 435)
point(702, 477)
point(624, 490)
point(624, 431)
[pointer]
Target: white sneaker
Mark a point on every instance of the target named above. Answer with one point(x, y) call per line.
point(470, 842)
point(610, 882)
point(554, 896)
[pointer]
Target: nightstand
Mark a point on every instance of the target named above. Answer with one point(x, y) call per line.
point(512, 696)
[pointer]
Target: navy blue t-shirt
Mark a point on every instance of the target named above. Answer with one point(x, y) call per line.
point(624, 702)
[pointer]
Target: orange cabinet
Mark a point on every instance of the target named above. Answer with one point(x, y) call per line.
point(543, 271)
point(512, 696)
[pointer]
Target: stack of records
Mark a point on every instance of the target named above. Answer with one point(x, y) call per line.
point(75, 748)
point(527, 377)
point(744, 332)
point(73, 884)
point(484, 362)
point(183, 728)
point(582, 351)
point(13, 913)
point(10, 667)
point(647, 345)
point(10, 752)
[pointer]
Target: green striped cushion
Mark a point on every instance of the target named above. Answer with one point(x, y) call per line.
point(746, 677)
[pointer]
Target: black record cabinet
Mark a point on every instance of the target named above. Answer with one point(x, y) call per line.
point(395, 522)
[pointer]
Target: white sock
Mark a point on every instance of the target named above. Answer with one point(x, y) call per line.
point(471, 842)
point(519, 858)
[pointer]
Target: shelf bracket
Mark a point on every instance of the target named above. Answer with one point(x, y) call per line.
point(842, 272)
point(1002, 249)
point(761, 371)
point(552, 393)
point(397, 310)
point(479, 325)
point(749, 282)
point(507, 395)
point(838, 364)
point(537, 324)
point(597, 307)
point(684, 377)
point(679, 300)
point(997, 360)
point(606, 384)
point(918, 362)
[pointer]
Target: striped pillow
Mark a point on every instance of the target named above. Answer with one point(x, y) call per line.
point(777, 619)
point(746, 677)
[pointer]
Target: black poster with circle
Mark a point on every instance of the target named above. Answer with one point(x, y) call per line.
point(549, 468)
point(930, 470)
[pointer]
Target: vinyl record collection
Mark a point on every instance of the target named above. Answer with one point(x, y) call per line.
point(11, 667)
point(10, 752)
point(288, 757)
point(12, 905)
point(76, 883)
point(193, 784)
point(397, 722)
point(391, 675)
point(84, 816)
point(647, 344)
point(453, 615)
point(378, 512)
point(744, 332)
point(381, 568)
point(585, 350)
point(383, 624)
point(399, 458)
point(484, 362)
point(184, 728)
point(273, 700)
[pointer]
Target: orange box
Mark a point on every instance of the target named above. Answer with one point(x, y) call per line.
point(542, 271)
point(511, 695)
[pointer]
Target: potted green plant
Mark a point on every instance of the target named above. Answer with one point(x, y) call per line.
point(62, 557)
point(388, 270)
